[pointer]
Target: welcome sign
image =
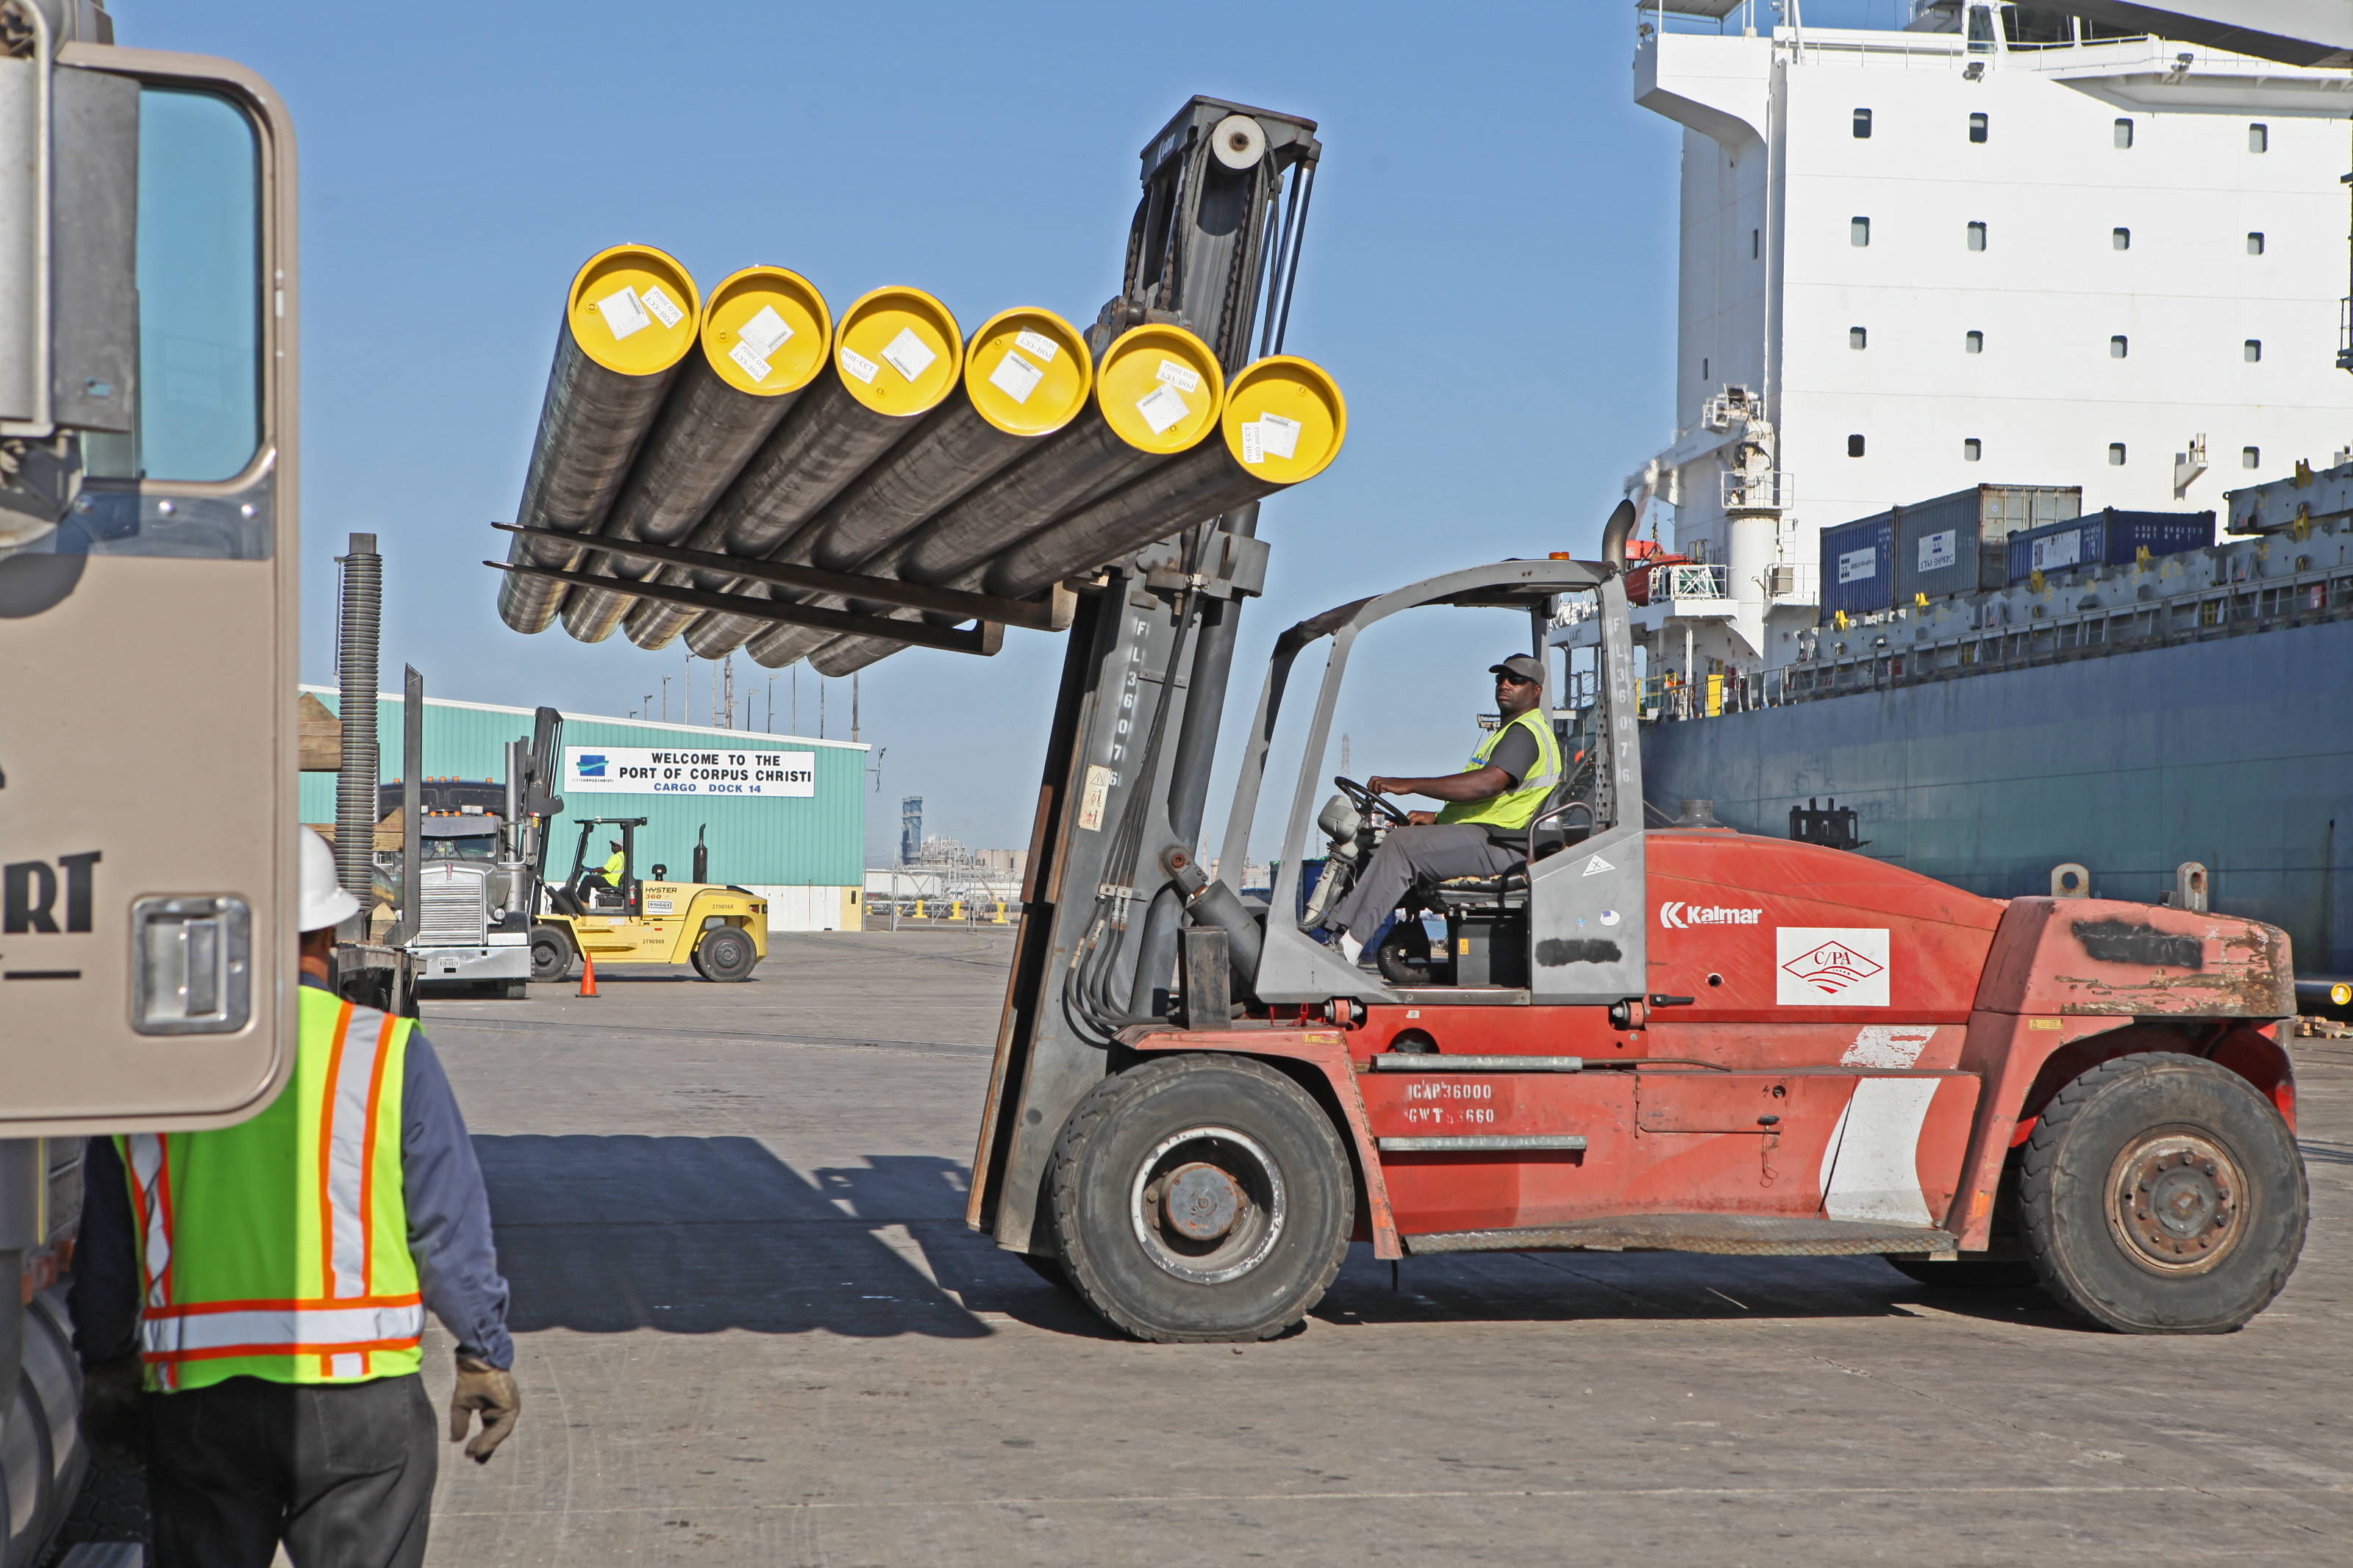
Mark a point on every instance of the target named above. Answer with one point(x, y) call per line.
point(644, 770)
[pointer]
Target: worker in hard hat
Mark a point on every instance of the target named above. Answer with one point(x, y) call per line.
point(266, 1285)
point(614, 864)
point(1482, 831)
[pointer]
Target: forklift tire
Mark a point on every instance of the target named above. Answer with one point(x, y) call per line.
point(2217, 1171)
point(1965, 1273)
point(1049, 1270)
point(1404, 956)
point(725, 954)
point(1236, 1154)
point(551, 954)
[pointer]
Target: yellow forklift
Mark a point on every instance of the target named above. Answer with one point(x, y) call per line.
point(722, 930)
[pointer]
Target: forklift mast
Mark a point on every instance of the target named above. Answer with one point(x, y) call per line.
point(1215, 247)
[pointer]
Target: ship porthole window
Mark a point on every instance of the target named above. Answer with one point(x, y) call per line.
point(2120, 239)
point(1862, 125)
point(2115, 454)
point(2124, 133)
point(2118, 346)
point(2254, 245)
point(1855, 446)
point(1977, 128)
point(2251, 457)
point(1857, 338)
point(1703, 369)
point(1973, 343)
point(2259, 138)
point(1858, 231)
point(1971, 450)
point(1752, 245)
point(2254, 351)
point(1977, 237)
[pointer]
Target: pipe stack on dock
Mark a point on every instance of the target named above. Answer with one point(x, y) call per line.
point(884, 446)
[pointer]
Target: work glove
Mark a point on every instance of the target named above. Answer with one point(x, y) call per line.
point(483, 1388)
point(109, 1400)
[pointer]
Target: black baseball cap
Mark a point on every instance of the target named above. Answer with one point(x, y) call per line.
point(1519, 667)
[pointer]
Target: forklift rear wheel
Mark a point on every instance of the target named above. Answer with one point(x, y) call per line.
point(727, 953)
point(1965, 1273)
point(1200, 1198)
point(2162, 1194)
point(551, 954)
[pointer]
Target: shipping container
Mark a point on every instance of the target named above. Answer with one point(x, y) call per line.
point(2108, 538)
point(1954, 544)
point(1859, 568)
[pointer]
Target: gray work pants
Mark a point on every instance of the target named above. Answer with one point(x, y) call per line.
point(1440, 851)
point(343, 1473)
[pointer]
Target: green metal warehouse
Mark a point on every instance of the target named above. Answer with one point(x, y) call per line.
point(804, 853)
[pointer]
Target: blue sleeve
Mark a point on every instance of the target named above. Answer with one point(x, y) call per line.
point(104, 1300)
point(450, 1212)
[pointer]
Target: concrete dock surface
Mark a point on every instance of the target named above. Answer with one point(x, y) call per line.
point(752, 1327)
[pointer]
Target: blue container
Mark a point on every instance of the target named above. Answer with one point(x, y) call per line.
point(1859, 568)
point(2108, 538)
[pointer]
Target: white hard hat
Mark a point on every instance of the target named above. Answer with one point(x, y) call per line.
point(324, 902)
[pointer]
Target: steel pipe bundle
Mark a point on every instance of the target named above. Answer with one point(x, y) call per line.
point(1283, 421)
point(1157, 393)
point(1027, 375)
point(764, 338)
point(897, 353)
point(630, 317)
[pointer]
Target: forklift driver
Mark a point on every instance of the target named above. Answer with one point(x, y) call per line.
point(614, 865)
point(1481, 832)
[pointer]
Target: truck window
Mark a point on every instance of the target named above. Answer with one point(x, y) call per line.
point(200, 293)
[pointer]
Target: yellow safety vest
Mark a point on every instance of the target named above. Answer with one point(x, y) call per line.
point(612, 871)
point(278, 1249)
point(1514, 807)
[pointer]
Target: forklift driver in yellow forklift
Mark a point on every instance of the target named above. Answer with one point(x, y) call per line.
point(614, 865)
point(1481, 830)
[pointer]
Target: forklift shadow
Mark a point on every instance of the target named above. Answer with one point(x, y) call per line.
point(1634, 1286)
point(694, 1236)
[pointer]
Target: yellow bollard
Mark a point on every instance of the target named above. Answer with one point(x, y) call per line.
point(919, 909)
point(1000, 914)
point(955, 910)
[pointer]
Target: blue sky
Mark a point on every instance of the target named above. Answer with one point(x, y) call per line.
point(1488, 271)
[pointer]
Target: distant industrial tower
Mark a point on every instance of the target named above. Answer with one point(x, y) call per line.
point(910, 829)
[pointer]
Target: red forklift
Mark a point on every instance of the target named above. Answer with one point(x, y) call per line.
point(1683, 1039)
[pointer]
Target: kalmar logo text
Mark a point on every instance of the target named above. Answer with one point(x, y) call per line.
point(1683, 917)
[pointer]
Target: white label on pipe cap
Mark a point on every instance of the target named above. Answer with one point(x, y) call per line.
point(1279, 436)
point(907, 353)
point(1037, 344)
point(858, 364)
point(766, 332)
point(1253, 444)
point(1015, 377)
point(754, 365)
point(623, 313)
point(659, 304)
point(1161, 407)
point(1182, 377)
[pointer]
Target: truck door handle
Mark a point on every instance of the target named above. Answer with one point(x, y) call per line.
point(192, 965)
point(1672, 1001)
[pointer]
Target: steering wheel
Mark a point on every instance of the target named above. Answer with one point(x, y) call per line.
point(1366, 801)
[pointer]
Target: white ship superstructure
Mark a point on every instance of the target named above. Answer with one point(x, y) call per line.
point(2000, 246)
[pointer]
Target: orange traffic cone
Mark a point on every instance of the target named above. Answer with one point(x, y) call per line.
point(587, 974)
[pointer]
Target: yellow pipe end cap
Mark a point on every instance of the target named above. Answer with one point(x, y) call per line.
point(899, 351)
point(1027, 372)
point(1284, 419)
point(767, 331)
point(633, 310)
point(1160, 388)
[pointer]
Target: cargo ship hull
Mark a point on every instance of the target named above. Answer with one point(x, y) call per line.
point(2234, 752)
